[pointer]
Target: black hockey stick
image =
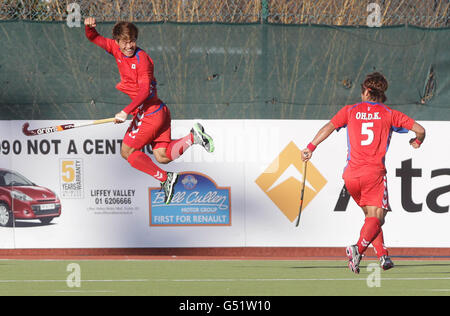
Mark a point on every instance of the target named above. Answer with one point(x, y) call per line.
point(302, 193)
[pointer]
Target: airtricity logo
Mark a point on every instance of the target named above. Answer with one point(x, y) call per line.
point(282, 181)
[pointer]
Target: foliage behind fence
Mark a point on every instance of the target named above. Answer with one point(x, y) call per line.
point(424, 13)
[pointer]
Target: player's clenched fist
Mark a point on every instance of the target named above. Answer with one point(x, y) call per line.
point(90, 22)
point(415, 143)
point(120, 117)
point(306, 154)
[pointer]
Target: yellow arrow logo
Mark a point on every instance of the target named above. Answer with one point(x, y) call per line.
point(283, 188)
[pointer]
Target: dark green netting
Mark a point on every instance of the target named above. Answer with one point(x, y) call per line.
point(221, 71)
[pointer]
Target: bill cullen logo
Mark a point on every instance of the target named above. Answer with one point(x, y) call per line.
point(198, 200)
point(280, 181)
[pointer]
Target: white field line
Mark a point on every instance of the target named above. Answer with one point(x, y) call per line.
point(79, 291)
point(316, 279)
point(229, 280)
point(54, 281)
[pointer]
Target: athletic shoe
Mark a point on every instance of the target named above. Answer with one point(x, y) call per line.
point(201, 138)
point(169, 185)
point(354, 258)
point(386, 263)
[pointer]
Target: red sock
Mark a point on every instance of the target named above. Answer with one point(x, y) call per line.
point(144, 163)
point(369, 232)
point(177, 147)
point(378, 245)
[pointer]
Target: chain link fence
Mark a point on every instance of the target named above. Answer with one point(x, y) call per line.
point(424, 13)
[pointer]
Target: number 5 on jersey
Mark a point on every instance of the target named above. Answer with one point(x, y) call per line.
point(366, 130)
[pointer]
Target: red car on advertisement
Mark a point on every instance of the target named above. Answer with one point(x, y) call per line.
point(22, 199)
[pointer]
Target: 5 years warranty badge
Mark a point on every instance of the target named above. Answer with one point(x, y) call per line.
point(71, 178)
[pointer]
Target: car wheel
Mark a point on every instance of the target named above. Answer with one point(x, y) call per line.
point(46, 220)
point(6, 217)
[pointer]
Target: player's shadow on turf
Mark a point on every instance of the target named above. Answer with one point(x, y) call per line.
point(424, 265)
point(321, 267)
point(297, 267)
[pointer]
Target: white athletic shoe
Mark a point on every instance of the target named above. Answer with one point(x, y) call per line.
point(201, 138)
point(386, 263)
point(354, 258)
point(169, 185)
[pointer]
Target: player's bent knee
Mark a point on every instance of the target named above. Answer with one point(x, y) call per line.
point(161, 159)
point(125, 154)
point(160, 156)
point(126, 151)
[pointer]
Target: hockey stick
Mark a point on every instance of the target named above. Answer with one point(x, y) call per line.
point(302, 192)
point(60, 128)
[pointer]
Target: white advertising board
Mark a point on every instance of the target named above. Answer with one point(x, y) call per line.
point(245, 194)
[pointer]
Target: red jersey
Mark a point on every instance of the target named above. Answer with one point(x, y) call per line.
point(369, 130)
point(136, 72)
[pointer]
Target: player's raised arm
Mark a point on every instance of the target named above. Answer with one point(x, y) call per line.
point(321, 135)
point(92, 34)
